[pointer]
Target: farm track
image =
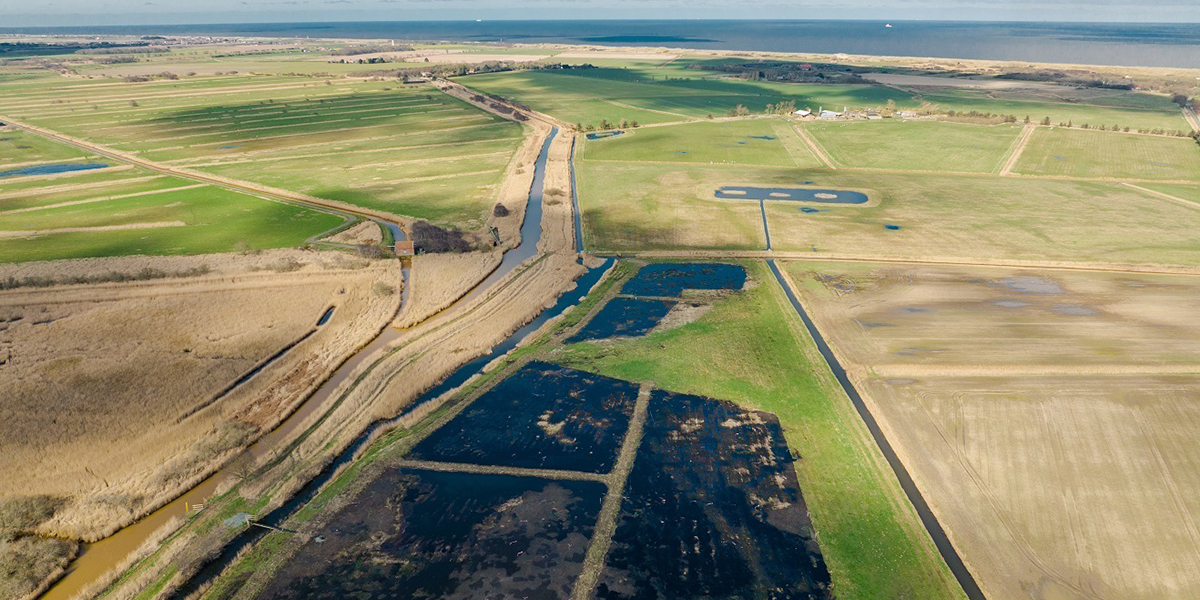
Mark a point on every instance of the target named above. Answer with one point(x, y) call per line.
point(1026, 133)
point(1163, 195)
point(347, 211)
point(815, 147)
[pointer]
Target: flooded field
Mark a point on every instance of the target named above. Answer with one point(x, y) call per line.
point(712, 509)
point(428, 534)
point(629, 317)
point(670, 279)
point(542, 417)
point(52, 169)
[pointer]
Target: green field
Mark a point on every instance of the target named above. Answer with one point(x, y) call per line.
point(408, 150)
point(1084, 153)
point(19, 147)
point(1094, 107)
point(763, 142)
point(916, 146)
point(194, 221)
point(670, 207)
point(752, 349)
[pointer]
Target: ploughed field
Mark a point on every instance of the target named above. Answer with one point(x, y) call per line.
point(1048, 416)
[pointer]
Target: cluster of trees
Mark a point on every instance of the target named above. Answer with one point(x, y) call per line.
point(355, 50)
point(787, 71)
point(605, 124)
point(140, 78)
point(428, 238)
point(782, 108)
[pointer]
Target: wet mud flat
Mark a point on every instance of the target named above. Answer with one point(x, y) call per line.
point(670, 279)
point(712, 509)
point(542, 417)
point(430, 534)
point(628, 317)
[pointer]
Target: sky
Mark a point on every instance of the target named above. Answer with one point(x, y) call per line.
point(17, 13)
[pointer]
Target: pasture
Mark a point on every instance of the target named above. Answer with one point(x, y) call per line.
point(1046, 414)
point(871, 540)
point(122, 214)
point(926, 216)
point(916, 146)
point(1080, 153)
point(1066, 105)
point(407, 150)
point(759, 142)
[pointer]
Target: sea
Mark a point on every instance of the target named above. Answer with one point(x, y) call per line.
point(1127, 44)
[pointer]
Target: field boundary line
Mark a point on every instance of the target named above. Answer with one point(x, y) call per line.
point(808, 257)
point(654, 110)
point(610, 510)
point(1022, 141)
point(1098, 370)
point(1193, 121)
point(40, 232)
point(815, 147)
point(1162, 194)
point(102, 199)
point(249, 159)
point(926, 517)
point(453, 467)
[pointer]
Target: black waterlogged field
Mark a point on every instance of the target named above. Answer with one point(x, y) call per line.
point(712, 509)
point(543, 417)
point(670, 279)
point(630, 317)
point(416, 534)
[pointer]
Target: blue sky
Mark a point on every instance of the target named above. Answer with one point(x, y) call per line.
point(14, 13)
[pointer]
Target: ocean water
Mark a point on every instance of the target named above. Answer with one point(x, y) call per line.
point(1136, 44)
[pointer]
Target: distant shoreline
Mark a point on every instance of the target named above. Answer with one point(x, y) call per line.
point(1093, 44)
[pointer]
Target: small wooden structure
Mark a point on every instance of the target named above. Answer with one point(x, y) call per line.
point(404, 248)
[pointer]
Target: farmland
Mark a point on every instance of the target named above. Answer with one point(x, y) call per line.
point(187, 286)
point(736, 351)
point(1080, 153)
point(764, 142)
point(994, 381)
point(406, 151)
point(952, 217)
point(916, 146)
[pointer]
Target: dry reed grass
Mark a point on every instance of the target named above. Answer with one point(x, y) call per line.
point(110, 387)
point(365, 232)
point(438, 280)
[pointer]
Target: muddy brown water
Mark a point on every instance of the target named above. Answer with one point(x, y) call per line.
point(95, 560)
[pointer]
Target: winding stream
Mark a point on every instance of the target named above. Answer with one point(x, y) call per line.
point(97, 559)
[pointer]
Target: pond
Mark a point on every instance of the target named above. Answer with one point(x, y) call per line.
point(52, 169)
point(670, 279)
point(735, 192)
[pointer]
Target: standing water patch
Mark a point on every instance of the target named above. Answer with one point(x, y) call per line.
point(792, 194)
point(624, 317)
point(600, 135)
point(712, 509)
point(670, 279)
point(542, 417)
point(52, 169)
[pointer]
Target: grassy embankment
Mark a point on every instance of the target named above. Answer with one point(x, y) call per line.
point(752, 349)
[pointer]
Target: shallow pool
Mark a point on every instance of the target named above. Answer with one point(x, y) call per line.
point(792, 194)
